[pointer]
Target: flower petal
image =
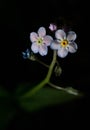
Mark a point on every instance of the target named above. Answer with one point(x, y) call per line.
point(62, 52)
point(34, 47)
point(52, 27)
point(47, 40)
point(60, 34)
point(72, 47)
point(71, 36)
point(43, 50)
point(42, 32)
point(33, 36)
point(55, 45)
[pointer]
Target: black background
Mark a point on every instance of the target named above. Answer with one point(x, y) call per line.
point(17, 20)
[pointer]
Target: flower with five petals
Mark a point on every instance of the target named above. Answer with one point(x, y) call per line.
point(40, 41)
point(64, 43)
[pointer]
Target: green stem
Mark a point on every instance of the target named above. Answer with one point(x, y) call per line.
point(45, 81)
point(42, 63)
point(51, 67)
point(34, 58)
point(55, 86)
point(63, 89)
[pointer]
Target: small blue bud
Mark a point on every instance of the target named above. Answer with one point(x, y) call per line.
point(26, 54)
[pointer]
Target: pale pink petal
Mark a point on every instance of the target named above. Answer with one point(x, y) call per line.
point(52, 27)
point(34, 47)
point(43, 50)
point(55, 45)
point(47, 40)
point(62, 52)
point(72, 47)
point(33, 36)
point(71, 36)
point(60, 34)
point(42, 32)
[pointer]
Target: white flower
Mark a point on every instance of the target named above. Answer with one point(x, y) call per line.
point(40, 41)
point(64, 43)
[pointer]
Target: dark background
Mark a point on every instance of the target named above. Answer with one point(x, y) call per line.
point(17, 20)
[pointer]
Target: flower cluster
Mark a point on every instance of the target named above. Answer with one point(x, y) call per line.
point(62, 43)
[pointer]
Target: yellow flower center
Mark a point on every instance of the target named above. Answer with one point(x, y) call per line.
point(40, 40)
point(64, 43)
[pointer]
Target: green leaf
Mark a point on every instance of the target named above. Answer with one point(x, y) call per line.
point(45, 97)
point(6, 109)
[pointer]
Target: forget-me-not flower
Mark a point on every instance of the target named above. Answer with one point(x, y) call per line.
point(64, 43)
point(40, 41)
